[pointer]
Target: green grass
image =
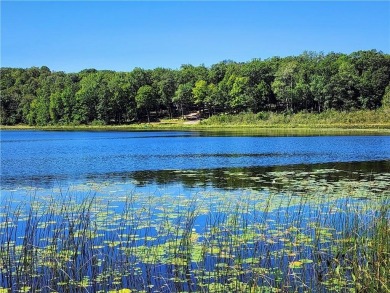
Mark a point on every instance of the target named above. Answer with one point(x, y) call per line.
point(314, 237)
point(379, 119)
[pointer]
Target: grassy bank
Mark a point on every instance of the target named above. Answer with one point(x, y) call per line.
point(267, 123)
point(322, 237)
point(330, 119)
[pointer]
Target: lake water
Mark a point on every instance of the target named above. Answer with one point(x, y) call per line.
point(189, 211)
point(47, 159)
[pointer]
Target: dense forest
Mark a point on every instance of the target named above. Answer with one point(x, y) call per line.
point(312, 82)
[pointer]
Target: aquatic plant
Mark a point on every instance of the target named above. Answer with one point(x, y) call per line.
point(307, 237)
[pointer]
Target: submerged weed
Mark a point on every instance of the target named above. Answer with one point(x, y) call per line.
point(269, 240)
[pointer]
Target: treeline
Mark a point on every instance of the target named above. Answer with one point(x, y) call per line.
point(311, 82)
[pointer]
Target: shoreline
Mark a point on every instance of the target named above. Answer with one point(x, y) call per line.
point(335, 129)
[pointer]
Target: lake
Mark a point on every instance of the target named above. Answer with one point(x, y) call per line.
point(178, 211)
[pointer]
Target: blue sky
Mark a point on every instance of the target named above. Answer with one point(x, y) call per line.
point(71, 36)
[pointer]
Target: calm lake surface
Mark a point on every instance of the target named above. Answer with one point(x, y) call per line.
point(48, 159)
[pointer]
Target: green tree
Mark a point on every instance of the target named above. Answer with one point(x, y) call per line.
point(309, 81)
point(344, 85)
point(386, 97)
point(240, 98)
point(321, 81)
point(87, 99)
point(262, 96)
point(145, 99)
point(190, 74)
point(373, 73)
point(318, 88)
point(11, 97)
point(284, 84)
point(212, 100)
point(217, 72)
point(200, 92)
point(62, 97)
point(39, 111)
point(183, 97)
point(165, 83)
point(119, 89)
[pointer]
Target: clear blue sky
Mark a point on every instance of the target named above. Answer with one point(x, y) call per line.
point(71, 36)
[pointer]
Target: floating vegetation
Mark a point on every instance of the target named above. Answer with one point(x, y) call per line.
point(306, 235)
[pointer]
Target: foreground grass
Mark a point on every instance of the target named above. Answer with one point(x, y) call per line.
point(330, 122)
point(326, 237)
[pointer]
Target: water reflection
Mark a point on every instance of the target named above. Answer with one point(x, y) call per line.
point(253, 177)
point(276, 177)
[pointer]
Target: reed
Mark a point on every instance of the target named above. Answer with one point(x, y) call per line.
point(247, 241)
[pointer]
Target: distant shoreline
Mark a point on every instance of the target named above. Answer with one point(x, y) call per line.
point(361, 129)
point(331, 122)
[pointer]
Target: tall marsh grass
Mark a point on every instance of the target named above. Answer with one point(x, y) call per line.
point(356, 119)
point(214, 242)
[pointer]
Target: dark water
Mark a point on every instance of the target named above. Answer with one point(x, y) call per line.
point(37, 158)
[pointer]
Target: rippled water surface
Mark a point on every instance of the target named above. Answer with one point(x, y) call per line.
point(36, 158)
